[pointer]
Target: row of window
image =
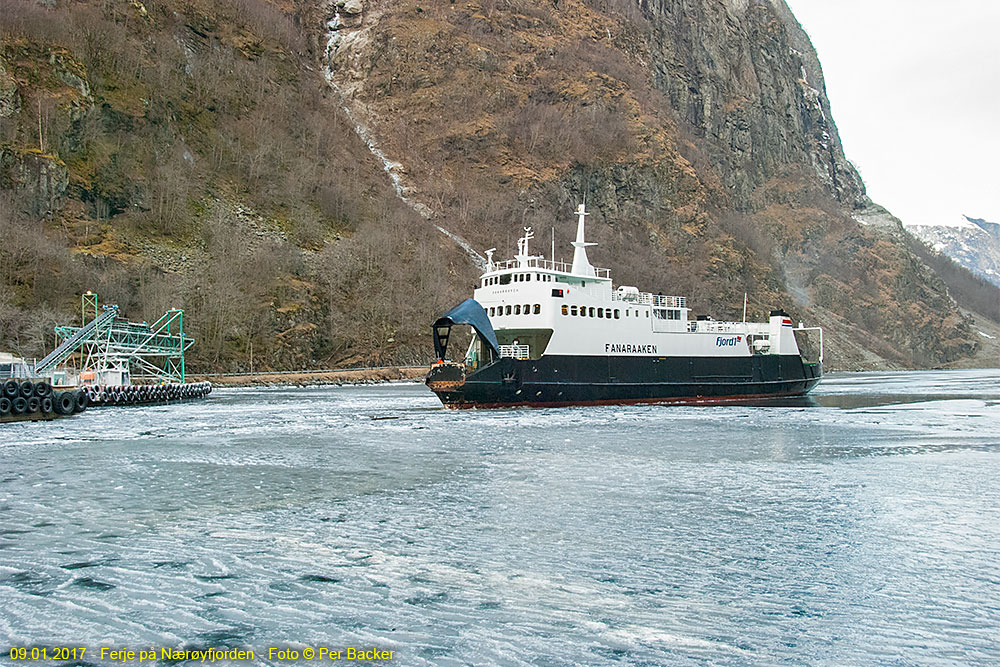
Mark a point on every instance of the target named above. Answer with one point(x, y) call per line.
point(582, 311)
point(574, 311)
point(515, 310)
point(604, 313)
point(661, 314)
point(507, 278)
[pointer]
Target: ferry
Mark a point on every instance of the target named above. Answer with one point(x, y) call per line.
point(550, 334)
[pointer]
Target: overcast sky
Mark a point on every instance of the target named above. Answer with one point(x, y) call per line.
point(915, 91)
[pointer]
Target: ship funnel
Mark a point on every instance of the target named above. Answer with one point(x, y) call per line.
point(581, 265)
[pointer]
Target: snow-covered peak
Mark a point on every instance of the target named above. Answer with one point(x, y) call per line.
point(971, 242)
point(961, 222)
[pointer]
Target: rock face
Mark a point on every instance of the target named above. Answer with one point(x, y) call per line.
point(746, 78)
point(971, 242)
point(41, 180)
point(10, 99)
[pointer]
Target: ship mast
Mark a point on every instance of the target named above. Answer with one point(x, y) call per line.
point(581, 265)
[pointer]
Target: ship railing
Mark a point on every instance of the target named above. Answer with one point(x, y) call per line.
point(542, 264)
point(715, 326)
point(514, 351)
point(650, 299)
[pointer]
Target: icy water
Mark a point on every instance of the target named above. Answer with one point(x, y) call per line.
point(859, 527)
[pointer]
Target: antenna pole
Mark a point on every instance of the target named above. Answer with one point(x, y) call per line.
point(744, 307)
point(553, 246)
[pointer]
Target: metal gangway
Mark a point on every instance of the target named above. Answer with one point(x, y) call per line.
point(78, 338)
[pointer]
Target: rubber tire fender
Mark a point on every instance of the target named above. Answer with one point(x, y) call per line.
point(82, 401)
point(65, 402)
point(11, 389)
point(34, 404)
point(27, 388)
point(47, 405)
point(5, 406)
point(42, 389)
point(19, 405)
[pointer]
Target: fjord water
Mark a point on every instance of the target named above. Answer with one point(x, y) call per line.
point(860, 526)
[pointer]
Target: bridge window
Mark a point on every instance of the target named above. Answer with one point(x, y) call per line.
point(607, 313)
point(538, 308)
point(565, 310)
point(600, 313)
point(505, 279)
point(527, 309)
point(592, 312)
point(574, 311)
point(493, 311)
point(616, 313)
point(517, 309)
point(583, 311)
point(507, 310)
point(528, 277)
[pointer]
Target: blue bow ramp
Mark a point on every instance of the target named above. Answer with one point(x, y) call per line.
point(468, 312)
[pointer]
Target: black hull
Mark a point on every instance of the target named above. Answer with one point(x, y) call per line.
point(563, 381)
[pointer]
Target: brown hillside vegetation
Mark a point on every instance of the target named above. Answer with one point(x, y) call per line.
point(202, 166)
point(190, 153)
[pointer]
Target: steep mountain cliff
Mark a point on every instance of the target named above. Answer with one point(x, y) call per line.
point(311, 179)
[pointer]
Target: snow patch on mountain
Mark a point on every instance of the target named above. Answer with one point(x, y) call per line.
point(971, 242)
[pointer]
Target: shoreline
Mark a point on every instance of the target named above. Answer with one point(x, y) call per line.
point(363, 376)
point(356, 376)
